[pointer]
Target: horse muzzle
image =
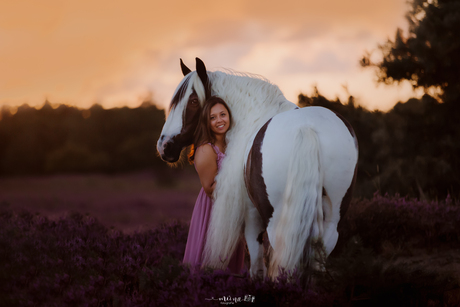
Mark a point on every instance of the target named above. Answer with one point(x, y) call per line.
point(169, 151)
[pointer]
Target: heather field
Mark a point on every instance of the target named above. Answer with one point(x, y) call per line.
point(128, 202)
point(118, 240)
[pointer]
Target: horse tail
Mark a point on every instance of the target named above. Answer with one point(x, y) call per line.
point(300, 221)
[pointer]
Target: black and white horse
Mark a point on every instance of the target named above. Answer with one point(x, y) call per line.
point(287, 171)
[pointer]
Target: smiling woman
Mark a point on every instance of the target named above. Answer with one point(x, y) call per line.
point(219, 120)
point(210, 144)
point(216, 121)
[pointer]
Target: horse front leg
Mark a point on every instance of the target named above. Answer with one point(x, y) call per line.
point(253, 233)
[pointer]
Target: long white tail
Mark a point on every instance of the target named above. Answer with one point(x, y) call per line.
point(300, 222)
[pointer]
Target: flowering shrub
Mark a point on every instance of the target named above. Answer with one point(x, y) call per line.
point(407, 223)
point(76, 261)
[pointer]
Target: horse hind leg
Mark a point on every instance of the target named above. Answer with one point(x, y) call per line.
point(335, 206)
point(331, 215)
point(340, 208)
point(253, 233)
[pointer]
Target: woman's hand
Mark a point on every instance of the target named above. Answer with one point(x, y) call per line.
point(206, 166)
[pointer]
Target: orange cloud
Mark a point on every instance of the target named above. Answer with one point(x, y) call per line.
point(115, 52)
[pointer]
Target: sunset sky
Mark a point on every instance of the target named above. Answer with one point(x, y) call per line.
point(116, 53)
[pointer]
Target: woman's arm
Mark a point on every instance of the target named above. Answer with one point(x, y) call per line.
point(206, 166)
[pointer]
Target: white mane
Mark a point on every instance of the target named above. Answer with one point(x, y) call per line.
point(252, 101)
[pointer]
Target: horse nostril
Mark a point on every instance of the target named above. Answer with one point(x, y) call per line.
point(160, 141)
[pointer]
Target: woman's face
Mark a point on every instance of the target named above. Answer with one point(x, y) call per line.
point(219, 119)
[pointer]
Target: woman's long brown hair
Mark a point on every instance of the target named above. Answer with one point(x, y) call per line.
point(204, 134)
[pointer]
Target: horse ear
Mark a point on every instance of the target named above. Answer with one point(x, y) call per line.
point(201, 70)
point(185, 69)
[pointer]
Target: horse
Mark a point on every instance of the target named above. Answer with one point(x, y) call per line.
point(288, 171)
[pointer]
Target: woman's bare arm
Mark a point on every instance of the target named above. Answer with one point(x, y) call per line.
point(206, 166)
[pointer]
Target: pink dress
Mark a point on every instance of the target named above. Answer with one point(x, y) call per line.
point(199, 226)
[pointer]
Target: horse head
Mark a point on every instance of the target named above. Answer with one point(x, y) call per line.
point(184, 112)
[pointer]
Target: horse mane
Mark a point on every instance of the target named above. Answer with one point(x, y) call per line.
point(253, 100)
point(244, 85)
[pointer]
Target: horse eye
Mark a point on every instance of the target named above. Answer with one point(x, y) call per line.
point(194, 101)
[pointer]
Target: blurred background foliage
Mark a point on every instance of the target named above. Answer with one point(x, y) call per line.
point(69, 140)
point(413, 149)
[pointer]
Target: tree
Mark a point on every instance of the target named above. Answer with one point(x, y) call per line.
point(429, 57)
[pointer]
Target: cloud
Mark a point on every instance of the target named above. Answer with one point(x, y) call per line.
point(323, 62)
point(113, 52)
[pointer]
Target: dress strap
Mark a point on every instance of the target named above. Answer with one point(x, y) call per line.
point(220, 155)
point(216, 149)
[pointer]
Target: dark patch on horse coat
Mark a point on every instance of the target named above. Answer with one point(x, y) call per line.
point(346, 200)
point(180, 93)
point(255, 183)
point(190, 122)
point(349, 127)
point(191, 117)
point(260, 237)
point(348, 196)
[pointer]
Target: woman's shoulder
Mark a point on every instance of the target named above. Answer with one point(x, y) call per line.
point(205, 151)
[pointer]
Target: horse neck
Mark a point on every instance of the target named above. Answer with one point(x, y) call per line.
point(250, 99)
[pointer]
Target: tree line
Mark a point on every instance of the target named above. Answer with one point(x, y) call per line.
point(412, 149)
point(70, 140)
